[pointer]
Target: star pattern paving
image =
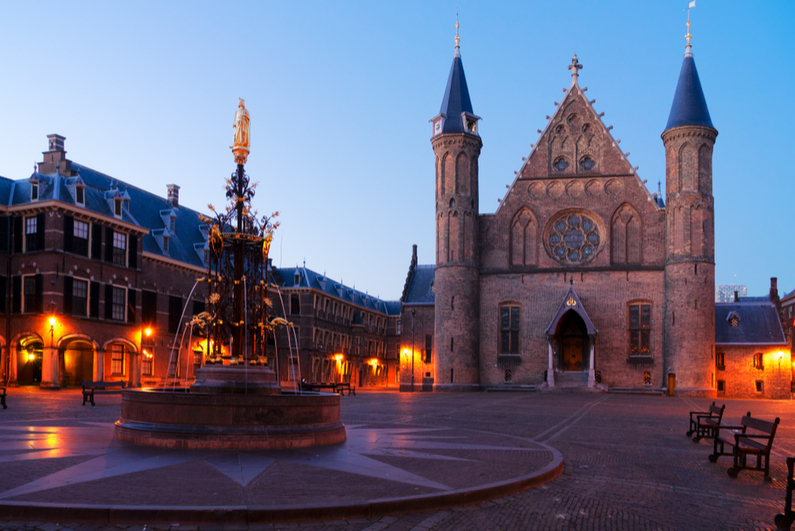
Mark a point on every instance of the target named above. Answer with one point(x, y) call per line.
point(107, 458)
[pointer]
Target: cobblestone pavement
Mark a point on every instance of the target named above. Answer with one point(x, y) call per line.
point(628, 464)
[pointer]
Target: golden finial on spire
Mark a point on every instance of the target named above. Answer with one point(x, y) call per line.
point(457, 38)
point(688, 36)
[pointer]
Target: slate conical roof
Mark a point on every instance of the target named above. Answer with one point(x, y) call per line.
point(456, 98)
point(690, 106)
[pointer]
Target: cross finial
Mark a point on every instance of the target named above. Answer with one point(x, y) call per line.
point(575, 68)
point(457, 38)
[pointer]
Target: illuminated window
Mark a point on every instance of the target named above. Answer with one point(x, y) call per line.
point(509, 330)
point(120, 248)
point(759, 363)
point(117, 359)
point(146, 362)
point(720, 361)
point(647, 378)
point(639, 330)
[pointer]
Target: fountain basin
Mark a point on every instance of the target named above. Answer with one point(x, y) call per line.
point(183, 419)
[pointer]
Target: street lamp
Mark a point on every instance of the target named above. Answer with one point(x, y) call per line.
point(412, 349)
point(52, 347)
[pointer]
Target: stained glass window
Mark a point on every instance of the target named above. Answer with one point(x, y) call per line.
point(639, 330)
point(574, 238)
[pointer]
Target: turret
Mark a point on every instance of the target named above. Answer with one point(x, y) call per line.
point(456, 144)
point(689, 305)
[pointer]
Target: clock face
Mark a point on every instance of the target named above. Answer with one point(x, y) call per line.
point(437, 127)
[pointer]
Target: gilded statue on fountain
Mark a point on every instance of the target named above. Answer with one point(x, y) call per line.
point(241, 126)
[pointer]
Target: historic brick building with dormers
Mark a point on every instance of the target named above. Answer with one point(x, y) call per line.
point(101, 280)
point(582, 277)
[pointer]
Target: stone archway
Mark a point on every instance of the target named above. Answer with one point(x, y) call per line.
point(79, 360)
point(28, 351)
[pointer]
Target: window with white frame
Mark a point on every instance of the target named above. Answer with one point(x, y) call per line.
point(146, 362)
point(79, 297)
point(119, 248)
point(117, 359)
point(29, 293)
point(80, 240)
point(118, 304)
point(31, 233)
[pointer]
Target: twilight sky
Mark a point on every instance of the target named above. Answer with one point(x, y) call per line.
point(340, 95)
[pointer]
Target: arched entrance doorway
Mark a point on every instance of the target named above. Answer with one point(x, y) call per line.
point(30, 354)
point(572, 337)
point(77, 363)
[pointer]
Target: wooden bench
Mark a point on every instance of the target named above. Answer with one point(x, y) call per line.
point(705, 423)
point(3, 397)
point(784, 520)
point(742, 443)
point(341, 387)
point(100, 388)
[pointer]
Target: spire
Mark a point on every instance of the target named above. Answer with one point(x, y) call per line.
point(456, 115)
point(689, 106)
point(457, 38)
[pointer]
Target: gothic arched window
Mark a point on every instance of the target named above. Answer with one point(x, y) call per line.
point(573, 238)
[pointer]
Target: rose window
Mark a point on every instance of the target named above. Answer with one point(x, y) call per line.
point(574, 238)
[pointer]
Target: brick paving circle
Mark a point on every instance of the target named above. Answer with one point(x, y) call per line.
point(628, 465)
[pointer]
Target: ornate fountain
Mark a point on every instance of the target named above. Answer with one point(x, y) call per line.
point(236, 401)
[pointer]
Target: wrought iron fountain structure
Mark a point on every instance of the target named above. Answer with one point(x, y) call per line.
point(236, 400)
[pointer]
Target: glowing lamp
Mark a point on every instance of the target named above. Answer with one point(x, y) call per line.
point(148, 332)
point(373, 362)
point(31, 357)
point(52, 321)
point(338, 357)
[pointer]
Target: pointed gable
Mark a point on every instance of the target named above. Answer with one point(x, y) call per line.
point(571, 303)
point(575, 143)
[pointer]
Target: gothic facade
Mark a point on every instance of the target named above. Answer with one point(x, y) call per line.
point(582, 277)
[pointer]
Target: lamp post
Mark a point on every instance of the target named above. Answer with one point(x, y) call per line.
point(412, 349)
point(52, 350)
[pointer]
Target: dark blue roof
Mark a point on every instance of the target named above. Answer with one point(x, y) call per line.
point(758, 324)
point(690, 106)
point(456, 99)
point(420, 285)
point(310, 279)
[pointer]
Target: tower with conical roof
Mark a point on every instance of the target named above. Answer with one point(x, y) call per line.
point(457, 145)
point(689, 302)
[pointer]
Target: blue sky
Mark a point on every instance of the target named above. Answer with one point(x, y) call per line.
point(340, 95)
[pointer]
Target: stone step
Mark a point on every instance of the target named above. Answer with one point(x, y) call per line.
point(637, 391)
point(509, 387)
point(579, 389)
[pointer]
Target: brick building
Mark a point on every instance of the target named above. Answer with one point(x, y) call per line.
point(100, 282)
point(581, 277)
point(341, 334)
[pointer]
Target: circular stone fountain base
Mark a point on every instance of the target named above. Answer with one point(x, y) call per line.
point(180, 419)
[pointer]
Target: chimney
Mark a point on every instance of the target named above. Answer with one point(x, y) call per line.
point(774, 290)
point(736, 296)
point(414, 255)
point(173, 195)
point(55, 157)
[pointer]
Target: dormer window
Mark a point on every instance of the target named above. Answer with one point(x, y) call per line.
point(165, 243)
point(438, 124)
point(34, 190)
point(172, 224)
point(297, 279)
point(80, 195)
point(733, 319)
point(117, 207)
point(472, 126)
